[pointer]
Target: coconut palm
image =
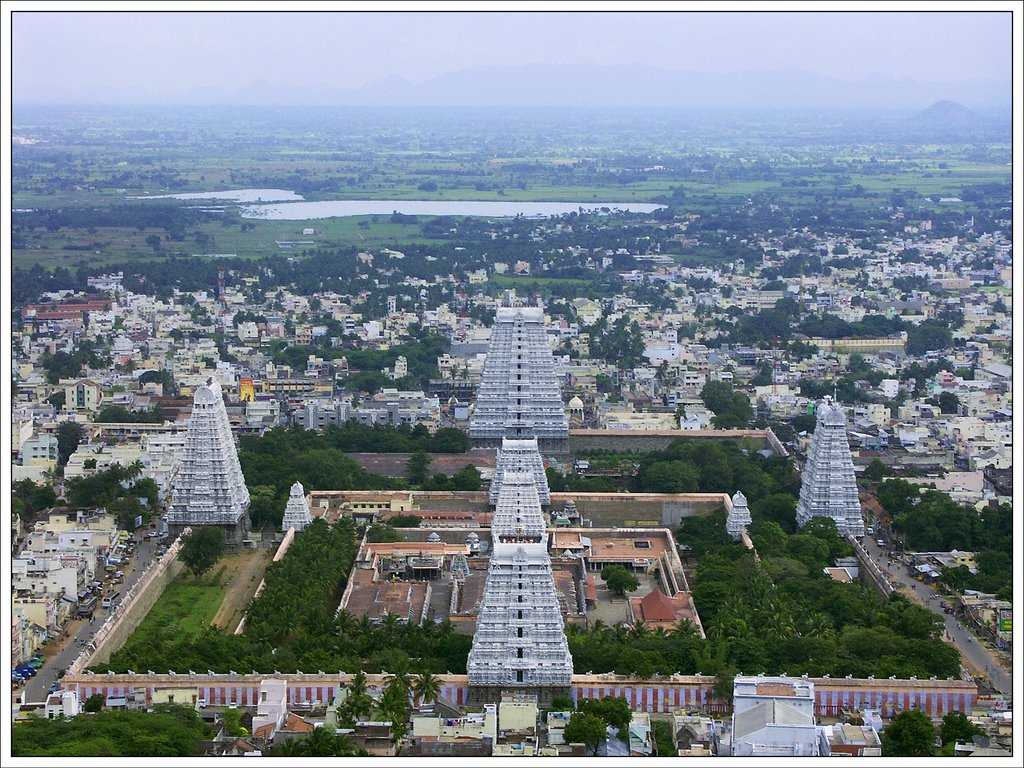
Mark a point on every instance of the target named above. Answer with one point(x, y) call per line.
point(426, 687)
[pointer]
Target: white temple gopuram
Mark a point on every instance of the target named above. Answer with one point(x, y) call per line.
point(209, 488)
point(519, 395)
point(520, 456)
point(520, 635)
point(296, 511)
point(828, 487)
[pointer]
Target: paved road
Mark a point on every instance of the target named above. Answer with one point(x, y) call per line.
point(80, 631)
point(974, 651)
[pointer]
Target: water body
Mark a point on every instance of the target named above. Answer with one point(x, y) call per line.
point(232, 195)
point(326, 209)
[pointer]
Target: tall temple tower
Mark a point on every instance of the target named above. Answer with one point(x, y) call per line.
point(520, 636)
point(520, 456)
point(519, 395)
point(209, 488)
point(829, 487)
point(296, 511)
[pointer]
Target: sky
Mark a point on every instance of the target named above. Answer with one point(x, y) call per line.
point(181, 58)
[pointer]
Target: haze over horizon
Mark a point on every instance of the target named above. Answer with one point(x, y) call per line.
point(883, 60)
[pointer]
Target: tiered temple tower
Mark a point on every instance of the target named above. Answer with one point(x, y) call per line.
point(520, 636)
point(519, 395)
point(739, 516)
point(296, 511)
point(520, 456)
point(209, 488)
point(829, 487)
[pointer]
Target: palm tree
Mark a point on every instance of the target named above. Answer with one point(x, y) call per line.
point(426, 687)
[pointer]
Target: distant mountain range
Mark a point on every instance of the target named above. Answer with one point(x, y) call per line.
point(537, 85)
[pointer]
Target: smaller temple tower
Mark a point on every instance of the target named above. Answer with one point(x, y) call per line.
point(296, 511)
point(739, 516)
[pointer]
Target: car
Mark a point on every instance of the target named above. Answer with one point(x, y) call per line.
point(107, 601)
point(201, 703)
point(880, 543)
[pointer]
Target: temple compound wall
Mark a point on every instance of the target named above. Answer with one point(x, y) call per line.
point(664, 694)
point(644, 440)
point(132, 609)
point(470, 508)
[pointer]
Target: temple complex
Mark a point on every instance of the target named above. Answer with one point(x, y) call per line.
point(519, 394)
point(829, 487)
point(209, 488)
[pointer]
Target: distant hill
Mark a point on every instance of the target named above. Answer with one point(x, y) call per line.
point(950, 115)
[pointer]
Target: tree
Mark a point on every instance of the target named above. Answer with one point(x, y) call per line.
point(232, 719)
point(663, 743)
point(909, 734)
point(561, 703)
point(418, 467)
point(69, 435)
point(153, 241)
point(94, 703)
point(202, 548)
point(949, 403)
point(619, 579)
point(732, 409)
point(956, 727)
point(875, 471)
point(584, 728)
point(426, 687)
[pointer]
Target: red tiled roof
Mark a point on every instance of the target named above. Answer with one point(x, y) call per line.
point(656, 606)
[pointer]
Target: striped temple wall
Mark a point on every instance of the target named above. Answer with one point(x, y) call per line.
point(935, 697)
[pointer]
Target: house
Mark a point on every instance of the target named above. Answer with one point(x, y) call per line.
point(774, 717)
point(659, 611)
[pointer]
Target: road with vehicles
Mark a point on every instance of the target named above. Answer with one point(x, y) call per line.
point(78, 632)
point(983, 658)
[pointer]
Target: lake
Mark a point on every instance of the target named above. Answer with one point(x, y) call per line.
point(231, 195)
point(326, 209)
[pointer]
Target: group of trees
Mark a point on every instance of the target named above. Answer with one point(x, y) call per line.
point(592, 718)
point(732, 409)
point(120, 490)
point(418, 473)
point(620, 343)
point(912, 734)
point(201, 549)
point(166, 730)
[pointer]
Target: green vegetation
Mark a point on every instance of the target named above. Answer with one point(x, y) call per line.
point(166, 731)
point(281, 456)
point(585, 728)
point(184, 609)
point(619, 580)
point(732, 409)
point(120, 490)
point(201, 549)
point(909, 734)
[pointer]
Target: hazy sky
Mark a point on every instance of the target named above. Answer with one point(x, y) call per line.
point(152, 57)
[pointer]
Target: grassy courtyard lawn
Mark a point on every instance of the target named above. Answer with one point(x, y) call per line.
point(186, 607)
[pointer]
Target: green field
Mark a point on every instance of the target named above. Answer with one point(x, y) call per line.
point(186, 607)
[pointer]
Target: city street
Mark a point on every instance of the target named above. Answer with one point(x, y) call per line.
point(982, 658)
point(80, 631)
